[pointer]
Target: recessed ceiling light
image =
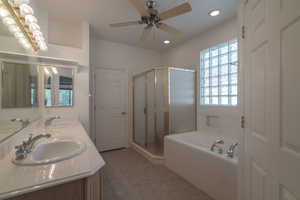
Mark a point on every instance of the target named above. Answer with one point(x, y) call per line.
point(214, 13)
point(167, 42)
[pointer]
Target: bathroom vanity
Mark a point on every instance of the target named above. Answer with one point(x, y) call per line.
point(70, 178)
point(89, 188)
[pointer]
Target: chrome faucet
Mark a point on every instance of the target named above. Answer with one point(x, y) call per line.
point(49, 120)
point(215, 144)
point(231, 150)
point(26, 147)
point(25, 122)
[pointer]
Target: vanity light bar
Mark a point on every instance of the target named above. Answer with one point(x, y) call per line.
point(18, 16)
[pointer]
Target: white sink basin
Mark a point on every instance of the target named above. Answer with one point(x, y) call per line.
point(51, 152)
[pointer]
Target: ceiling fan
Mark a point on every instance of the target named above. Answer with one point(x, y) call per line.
point(152, 18)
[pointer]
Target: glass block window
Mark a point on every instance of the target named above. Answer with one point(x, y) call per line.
point(219, 75)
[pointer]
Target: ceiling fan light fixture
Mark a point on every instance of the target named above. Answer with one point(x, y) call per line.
point(214, 13)
point(152, 18)
point(167, 42)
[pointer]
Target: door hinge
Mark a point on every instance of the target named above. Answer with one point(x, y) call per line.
point(243, 121)
point(243, 32)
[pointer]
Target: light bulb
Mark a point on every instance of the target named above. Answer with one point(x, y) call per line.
point(46, 71)
point(13, 29)
point(25, 10)
point(39, 39)
point(27, 45)
point(43, 46)
point(24, 43)
point(37, 34)
point(22, 40)
point(54, 70)
point(30, 19)
point(8, 21)
point(214, 13)
point(19, 35)
point(34, 27)
point(3, 12)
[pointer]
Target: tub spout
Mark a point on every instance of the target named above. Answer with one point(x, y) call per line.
point(231, 150)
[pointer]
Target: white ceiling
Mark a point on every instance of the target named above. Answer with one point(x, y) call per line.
point(101, 13)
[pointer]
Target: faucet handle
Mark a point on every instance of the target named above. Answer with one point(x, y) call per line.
point(219, 141)
point(30, 138)
point(234, 145)
point(21, 146)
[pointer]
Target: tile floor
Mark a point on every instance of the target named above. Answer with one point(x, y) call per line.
point(129, 176)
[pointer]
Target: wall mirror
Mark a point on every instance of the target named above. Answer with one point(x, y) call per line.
point(19, 85)
point(19, 96)
point(58, 86)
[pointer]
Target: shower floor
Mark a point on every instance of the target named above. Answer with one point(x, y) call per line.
point(154, 148)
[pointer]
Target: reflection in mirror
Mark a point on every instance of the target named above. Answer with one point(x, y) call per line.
point(58, 86)
point(19, 85)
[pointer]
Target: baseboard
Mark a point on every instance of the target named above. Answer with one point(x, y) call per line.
point(149, 156)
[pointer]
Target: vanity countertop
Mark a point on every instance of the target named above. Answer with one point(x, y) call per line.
point(16, 180)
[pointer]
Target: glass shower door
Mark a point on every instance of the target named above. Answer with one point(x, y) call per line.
point(151, 121)
point(139, 110)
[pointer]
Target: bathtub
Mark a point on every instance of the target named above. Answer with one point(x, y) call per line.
point(189, 156)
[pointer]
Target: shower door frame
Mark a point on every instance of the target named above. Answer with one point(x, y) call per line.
point(144, 73)
point(195, 97)
point(145, 109)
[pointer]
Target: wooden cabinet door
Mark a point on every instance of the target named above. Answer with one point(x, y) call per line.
point(68, 191)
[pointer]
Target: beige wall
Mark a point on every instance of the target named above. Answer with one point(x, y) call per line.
point(65, 33)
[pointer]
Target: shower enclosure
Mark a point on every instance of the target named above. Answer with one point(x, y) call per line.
point(163, 103)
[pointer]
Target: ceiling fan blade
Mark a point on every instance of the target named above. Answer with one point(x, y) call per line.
point(146, 33)
point(140, 7)
point(179, 10)
point(126, 23)
point(169, 29)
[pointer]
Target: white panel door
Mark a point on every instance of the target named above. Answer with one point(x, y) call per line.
point(111, 100)
point(272, 100)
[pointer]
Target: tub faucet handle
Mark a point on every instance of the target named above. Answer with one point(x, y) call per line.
point(220, 141)
point(215, 144)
